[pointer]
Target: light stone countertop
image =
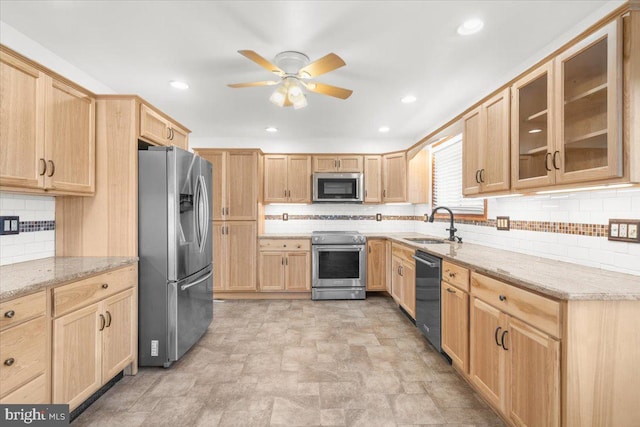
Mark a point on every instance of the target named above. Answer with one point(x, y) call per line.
point(31, 276)
point(558, 279)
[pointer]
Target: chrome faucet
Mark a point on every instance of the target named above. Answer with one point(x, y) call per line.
point(452, 230)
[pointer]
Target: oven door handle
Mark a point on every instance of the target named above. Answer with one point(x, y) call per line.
point(430, 264)
point(338, 248)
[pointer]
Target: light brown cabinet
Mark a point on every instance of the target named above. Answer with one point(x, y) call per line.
point(93, 342)
point(285, 265)
point(394, 178)
point(403, 278)
point(157, 128)
point(287, 178)
point(378, 268)
point(455, 314)
point(235, 184)
point(234, 254)
point(47, 130)
point(372, 179)
point(485, 147)
point(340, 163)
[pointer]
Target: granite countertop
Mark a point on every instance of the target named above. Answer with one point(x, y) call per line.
point(31, 276)
point(285, 236)
point(558, 279)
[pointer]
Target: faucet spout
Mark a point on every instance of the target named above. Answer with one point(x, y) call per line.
point(452, 230)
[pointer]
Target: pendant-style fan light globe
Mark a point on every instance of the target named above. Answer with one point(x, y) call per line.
point(295, 71)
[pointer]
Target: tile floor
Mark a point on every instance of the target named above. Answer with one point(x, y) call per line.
point(292, 363)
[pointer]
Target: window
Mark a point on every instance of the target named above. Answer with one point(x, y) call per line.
point(447, 179)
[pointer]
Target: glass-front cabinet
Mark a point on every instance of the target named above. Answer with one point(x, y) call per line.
point(567, 115)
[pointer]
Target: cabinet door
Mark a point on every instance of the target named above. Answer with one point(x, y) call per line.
point(21, 124)
point(494, 158)
point(242, 186)
point(77, 355)
point(275, 178)
point(589, 77)
point(179, 137)
point(299, 179)
point(241, 255)
point(373, 179)
point(298, 271)
point(376, 265)
point(70, 140)
point(488, 360)
point(220, 261)
point(325, 164)
point(395, 177)
point(396, 278)
point(153, 126)
point(219, 190)
point(119, 338)
point(455, 325)
point(409, 287)
point(351, 163)
point(471, 141)
point(272, 271)
point(534, 379)
point(532, 141)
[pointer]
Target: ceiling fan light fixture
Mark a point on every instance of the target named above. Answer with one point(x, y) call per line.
point(279, 96)
point(299, 102)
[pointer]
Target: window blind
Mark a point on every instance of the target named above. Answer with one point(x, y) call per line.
point(447, 179)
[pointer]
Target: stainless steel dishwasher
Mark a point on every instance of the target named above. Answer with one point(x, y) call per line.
point(428, 270)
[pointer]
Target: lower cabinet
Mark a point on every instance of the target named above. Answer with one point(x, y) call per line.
point(403, 278)
point(455, 314)
point(92, 343)
point(377, 268)
point(285, 265)
point(234, 256)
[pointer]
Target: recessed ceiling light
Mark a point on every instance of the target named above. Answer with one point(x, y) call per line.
point(535, 131)
point(178, 84)
point(271, 129)
point(383, 129)
point(408, 99)
point(470, 26)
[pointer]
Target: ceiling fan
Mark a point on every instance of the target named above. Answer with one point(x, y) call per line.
point(295, 70)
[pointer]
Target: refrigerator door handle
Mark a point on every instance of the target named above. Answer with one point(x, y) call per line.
point(197, 282)
point(202, 212)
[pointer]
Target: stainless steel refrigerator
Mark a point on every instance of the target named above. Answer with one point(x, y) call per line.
point(174, 246)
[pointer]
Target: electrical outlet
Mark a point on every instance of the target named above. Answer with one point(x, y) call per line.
point(624, 230)
point(9, 225)
point(285, 216)
point(378, 217)
point(503, 223)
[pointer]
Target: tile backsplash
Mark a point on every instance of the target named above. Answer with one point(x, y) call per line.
point(37, 228)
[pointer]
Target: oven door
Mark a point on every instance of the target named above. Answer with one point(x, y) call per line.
point(336, 266)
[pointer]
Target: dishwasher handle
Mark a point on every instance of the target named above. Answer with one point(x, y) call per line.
point(430, 264)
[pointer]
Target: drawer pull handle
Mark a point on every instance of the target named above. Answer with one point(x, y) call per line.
point(502, 298)
point(10, 361)
point(495, 335)
point(502, 337)
point(9, 314)
point(105, 285)
point(103, 322)
point(451, 291)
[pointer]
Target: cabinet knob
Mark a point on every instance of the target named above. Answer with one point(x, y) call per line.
point(9, 314)
point(105, 285)
point(299, 246)
point(502, 298)
point(452, 274)
point(284, 246)
point(10, 361)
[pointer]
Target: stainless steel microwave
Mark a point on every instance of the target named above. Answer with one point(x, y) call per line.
point(338, 187)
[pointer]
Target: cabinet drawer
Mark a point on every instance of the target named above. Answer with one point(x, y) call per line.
point(285, 245)
point(455, 275)
point(23, 352)
point(536, 310)
point(34, 392)
point(403, 252)
point(84, 292)
point(20, 309)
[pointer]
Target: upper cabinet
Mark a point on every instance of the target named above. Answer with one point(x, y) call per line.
point(235, 183)
point(394, 177)
point(47, 130)
point(287, 178)
point(333, 163)
point(372, 179)
point(158, 129)
point(485, 150)
point(566, 115)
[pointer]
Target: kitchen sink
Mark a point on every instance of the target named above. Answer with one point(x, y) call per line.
point(424, 241)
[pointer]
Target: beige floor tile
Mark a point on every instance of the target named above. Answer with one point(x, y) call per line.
point(296, 411)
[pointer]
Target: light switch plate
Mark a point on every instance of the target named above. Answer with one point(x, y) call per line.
point(502, 223)
point(9, 225)
point(624, 230)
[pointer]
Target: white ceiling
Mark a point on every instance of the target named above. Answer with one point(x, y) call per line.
point(392, 48)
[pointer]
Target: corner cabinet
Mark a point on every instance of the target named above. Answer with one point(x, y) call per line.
point(485, 147)
point(47, 130)
point(285, 265)
point(287, 178)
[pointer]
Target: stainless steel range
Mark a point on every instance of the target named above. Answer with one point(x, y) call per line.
point(339, 265)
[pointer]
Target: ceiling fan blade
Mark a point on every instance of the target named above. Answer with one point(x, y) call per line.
point(323, 65)
point(324, 89)
point(253, 84)
point(261, 61)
